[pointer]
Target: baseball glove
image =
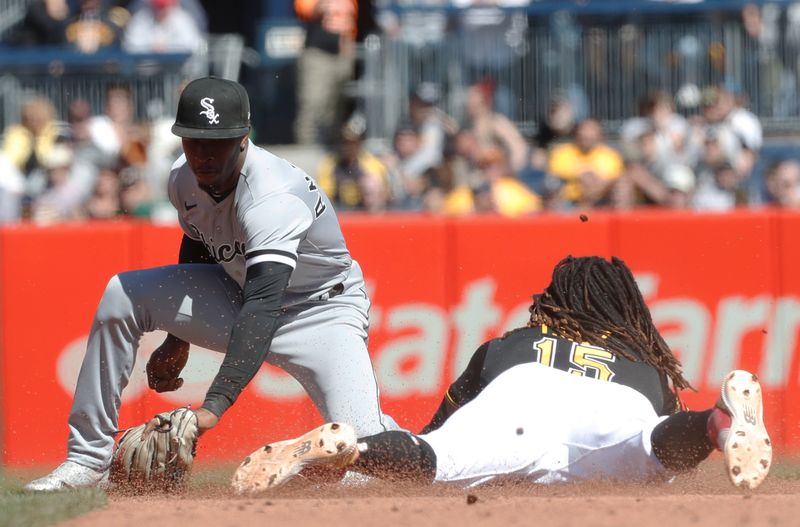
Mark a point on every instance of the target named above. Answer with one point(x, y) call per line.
point(157, 458)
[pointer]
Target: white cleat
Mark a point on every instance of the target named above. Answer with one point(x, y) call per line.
point(332, 445)
point(747, 448)
point(69, 475)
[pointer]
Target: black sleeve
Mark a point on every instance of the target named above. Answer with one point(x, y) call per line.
point(251, 335)
point(463, 390)
point(193, 251)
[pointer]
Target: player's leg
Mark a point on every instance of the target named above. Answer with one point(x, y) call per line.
point(544, 425)
point(531, 422)
point(681, 441)
point(735, 426)
point(197, 303)
point(395, 456)
point(324, 346)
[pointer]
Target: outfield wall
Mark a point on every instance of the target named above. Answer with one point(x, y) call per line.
point(724, 289)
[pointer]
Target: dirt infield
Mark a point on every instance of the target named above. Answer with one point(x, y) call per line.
point(705, 498)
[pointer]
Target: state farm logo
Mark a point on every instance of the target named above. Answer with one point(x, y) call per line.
point(411, 356)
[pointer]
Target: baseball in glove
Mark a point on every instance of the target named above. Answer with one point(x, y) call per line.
point(157, 455)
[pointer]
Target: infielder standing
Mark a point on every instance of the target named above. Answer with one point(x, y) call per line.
point(582, 393)
point(263, 274)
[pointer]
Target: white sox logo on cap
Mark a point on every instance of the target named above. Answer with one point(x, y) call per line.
point(212, 108)
point(210, 112)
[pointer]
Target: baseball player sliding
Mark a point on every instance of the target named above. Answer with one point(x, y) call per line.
point(582, 392)
point(263, 274)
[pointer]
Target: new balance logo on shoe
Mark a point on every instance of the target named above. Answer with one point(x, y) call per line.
point(329, 448)
point(304, 448)
point(749, 415)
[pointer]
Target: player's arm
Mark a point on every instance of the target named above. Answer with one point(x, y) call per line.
point(167, 361)
point(252, 334)
point(462, 391)
point(273, 226)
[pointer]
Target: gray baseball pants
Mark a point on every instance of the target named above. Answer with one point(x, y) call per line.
point(321, 343)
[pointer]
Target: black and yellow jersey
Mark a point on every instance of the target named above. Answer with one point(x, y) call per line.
point(540, 345)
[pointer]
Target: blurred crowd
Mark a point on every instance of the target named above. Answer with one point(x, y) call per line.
point(109, 165)
point(703, 162)
point(82, 163)
point(91, 166)
point(137, 26)
point(87, 165)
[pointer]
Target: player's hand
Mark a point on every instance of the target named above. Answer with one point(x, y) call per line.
point(205, 420)
point(165, 365)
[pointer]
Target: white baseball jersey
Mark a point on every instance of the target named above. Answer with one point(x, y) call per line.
point(544, 425)
point(277, 213)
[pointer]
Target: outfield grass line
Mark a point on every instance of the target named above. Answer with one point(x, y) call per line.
point(20, 508)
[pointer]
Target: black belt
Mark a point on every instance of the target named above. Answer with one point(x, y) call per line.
point(336, 290)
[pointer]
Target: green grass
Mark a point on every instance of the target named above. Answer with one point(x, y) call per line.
point(783, 470)
point(19, 508)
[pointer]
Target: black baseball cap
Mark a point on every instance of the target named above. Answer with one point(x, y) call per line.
point(212, 108)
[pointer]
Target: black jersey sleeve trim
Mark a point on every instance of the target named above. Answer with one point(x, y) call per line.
point(270, 255)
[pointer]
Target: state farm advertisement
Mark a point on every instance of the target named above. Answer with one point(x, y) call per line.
point(722, 289)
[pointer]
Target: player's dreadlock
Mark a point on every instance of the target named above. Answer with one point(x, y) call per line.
point(593, 300)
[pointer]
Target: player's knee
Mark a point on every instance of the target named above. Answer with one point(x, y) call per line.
point(114, 304)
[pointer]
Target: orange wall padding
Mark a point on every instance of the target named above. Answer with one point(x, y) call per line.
point(723, 288)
